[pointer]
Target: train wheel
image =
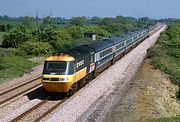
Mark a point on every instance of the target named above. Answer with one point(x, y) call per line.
point(82, 83)
point(72, 90)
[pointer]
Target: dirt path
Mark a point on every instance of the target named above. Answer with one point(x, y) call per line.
point(150, 95)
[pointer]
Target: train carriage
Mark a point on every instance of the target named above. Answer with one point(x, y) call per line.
point(119, 47)
point(103, 54)
point(135, 37)
point(143, 33)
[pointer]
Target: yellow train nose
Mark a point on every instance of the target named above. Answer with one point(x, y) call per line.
point(58, 83)
point(57, 86)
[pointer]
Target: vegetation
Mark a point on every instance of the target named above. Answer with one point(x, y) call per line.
point(165, 56)
point(24, 37)
point(64, 31)
point(167, 119)
point(34, 48)
point(12, 65)
point(1, 37)
point(166, 53)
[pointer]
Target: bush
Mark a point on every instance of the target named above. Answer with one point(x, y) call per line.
point(16, 37)
point(5, 27)
point(19, 52)
point(76, 32)
point(56, 38)
point(154, 52)
point(36, 48)
point(78, 21)
point(64, 41)
point(97, 30)
point(173, 52)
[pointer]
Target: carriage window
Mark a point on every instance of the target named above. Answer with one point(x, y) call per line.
point(128, 41)
point(135, 38)
point(106, 52)
point(119, 45)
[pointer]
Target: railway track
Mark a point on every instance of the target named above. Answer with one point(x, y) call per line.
point(40, 110)
point(10, 94)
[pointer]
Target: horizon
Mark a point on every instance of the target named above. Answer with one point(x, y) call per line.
point(84, 16)
point(68, 9)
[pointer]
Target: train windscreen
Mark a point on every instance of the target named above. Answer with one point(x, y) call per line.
point(58, 68)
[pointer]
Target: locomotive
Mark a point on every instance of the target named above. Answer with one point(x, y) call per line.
point(64, 71)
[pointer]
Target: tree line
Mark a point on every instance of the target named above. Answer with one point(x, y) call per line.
point(35, 36)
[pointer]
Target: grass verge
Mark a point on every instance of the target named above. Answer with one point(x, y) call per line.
point(167, 119)
point(165, 55)
point(13, 66)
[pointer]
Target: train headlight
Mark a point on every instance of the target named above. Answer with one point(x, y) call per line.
point(63, 79)
point(56, 79)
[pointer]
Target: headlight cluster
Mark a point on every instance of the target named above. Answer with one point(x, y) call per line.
point(63, 79)
point(56, 79)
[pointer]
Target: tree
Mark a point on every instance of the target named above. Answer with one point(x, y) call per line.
point(64, 41)
point(121, 19)
point(2, 27)
point(16, 37)
point(27, 21)
point(96, 30)
point(76, 32)
point(95, 20)
point(78, 21)
point(5, 27)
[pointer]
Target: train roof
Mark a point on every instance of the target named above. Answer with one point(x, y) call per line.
point(132, 33)
point(84, 49)
point(60, 57)
point(141, 30)
point(100, 45)
point(79, 52)
point(117, 39)
point(126, 36)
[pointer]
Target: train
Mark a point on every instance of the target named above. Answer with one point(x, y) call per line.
point(69, 70)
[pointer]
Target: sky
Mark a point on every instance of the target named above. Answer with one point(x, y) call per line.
point(102, 8)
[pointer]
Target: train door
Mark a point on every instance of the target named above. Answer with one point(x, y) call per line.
point(92, 63)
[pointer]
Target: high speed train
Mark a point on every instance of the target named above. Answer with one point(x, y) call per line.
point(65, 71)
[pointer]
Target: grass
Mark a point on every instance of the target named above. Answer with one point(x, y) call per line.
point(13, 66)
point(167, 119)
point(165, 55)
